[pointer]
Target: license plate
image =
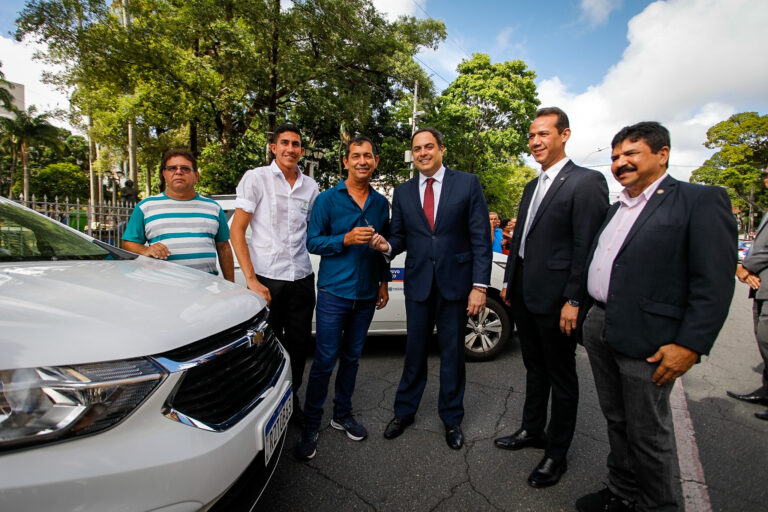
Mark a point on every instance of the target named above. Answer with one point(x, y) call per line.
point(277, 425)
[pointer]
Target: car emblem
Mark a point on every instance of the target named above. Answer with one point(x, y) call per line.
point(254, 338)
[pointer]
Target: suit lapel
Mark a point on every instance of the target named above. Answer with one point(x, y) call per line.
point(416, 201)
point(666, 188)
point(560, 180)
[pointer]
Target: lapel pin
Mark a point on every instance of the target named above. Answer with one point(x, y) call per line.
point(660, 191)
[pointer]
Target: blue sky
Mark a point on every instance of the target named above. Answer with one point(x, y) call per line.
point(686, 63)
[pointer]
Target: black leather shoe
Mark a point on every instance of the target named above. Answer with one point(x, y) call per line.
point(763, 415)
point(547, 473)
point(520, 439)
point(755, 397)
point(454, 436)
point(397, 426)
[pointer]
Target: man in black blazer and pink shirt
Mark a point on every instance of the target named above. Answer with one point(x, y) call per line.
point(545, 281)
point(441, 219)
point(661, 275)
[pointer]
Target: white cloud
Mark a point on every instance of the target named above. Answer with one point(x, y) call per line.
point(20, 67)
point(396, 8)
point(596, 12)
point(502, 38)
point(689, 64)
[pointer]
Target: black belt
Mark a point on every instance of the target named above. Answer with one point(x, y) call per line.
point(599, 304)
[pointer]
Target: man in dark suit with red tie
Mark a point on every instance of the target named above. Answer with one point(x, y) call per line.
point(545, 283)
point(440, 218)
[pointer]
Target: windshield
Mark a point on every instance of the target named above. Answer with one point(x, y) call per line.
point(26, 236)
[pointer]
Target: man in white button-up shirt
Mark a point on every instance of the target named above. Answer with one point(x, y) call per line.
point(275, 201)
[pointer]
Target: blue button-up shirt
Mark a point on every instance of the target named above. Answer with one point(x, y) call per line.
point(353, 272)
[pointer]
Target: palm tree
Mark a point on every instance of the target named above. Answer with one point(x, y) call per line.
point(29, 129)
point(6, 98)
point(9, 145)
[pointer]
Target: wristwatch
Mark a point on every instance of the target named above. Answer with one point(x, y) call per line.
point(574, 303)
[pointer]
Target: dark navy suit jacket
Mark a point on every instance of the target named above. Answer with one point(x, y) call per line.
point(558, 242)
point(458, 252)
point(672, 280)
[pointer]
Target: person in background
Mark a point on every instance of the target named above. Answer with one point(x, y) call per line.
point(178, 224)
point(754, 271)
point(497, 234)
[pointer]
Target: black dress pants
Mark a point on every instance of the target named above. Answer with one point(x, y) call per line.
point(550, 362)
point(290, 315)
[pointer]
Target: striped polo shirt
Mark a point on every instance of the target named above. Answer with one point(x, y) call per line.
point(189, 229)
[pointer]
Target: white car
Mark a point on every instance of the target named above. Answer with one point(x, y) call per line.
point(128, 383)
point(486, 333)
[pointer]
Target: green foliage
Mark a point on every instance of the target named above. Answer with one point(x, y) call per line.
point(742, 154)
point(220, 171)
point(62, 180)
point(484, 115)
point(217, 70)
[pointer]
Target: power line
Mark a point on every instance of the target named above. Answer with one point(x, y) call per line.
point(432, 70)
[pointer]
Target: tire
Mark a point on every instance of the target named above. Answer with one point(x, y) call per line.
point(488, 332)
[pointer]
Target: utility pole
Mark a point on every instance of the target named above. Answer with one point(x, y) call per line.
point(132, 158)
point(414, 119)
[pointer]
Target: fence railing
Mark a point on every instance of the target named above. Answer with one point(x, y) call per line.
point(105, 221)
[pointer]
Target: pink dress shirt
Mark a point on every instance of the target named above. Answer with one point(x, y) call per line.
point(612, 238)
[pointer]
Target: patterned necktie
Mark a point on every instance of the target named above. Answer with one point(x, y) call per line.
point(429, 204)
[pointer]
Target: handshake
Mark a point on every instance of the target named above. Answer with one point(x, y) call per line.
point(366, 235)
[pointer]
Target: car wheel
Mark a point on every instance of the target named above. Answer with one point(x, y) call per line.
point(488, 332)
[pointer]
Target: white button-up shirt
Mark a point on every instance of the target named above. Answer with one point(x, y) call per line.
point(280, 214)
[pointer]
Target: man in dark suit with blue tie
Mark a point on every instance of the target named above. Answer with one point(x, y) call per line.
point(441, 219)
point(545, 279)
point(661, 275)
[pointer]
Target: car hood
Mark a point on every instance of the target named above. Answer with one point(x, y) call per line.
point(72, 312)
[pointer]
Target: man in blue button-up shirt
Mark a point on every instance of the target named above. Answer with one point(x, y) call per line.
point(351, 284)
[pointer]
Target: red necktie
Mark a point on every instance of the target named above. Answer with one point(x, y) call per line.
point(429, 204)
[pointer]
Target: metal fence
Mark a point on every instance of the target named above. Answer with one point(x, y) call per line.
point(105, 221)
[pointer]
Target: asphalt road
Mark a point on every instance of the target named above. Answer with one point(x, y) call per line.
point(418, 472)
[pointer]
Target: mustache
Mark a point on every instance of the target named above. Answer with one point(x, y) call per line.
point(625, 169)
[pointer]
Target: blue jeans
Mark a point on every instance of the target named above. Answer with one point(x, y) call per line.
point(342, 325)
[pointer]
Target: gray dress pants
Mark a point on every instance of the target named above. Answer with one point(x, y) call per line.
point(641, 462)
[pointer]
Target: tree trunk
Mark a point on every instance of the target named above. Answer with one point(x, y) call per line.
point(273, 62)
point(193, 138)
point(25, 166)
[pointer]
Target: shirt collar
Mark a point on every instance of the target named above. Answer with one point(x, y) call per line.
point(277, 171)
point(555, 168)
point(438, 176)
point(643, 196)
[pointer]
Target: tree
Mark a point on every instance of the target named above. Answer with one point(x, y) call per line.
point(742, 154)
point(28, 129)
point(485, 114)
point(6, 98)
point(235, 67)
point(62, 180)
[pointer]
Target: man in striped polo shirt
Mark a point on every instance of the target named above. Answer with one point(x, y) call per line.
point(178, 224)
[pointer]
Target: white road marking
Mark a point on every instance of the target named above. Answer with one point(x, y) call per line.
point(692, 479)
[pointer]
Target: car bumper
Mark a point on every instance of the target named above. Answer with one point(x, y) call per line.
point(148, 462)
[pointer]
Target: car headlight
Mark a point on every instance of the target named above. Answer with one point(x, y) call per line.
point(39, 405)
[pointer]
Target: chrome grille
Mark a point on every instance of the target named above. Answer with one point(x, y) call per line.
point(226, 380)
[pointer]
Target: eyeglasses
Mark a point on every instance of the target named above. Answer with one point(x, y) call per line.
point(183, 168)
